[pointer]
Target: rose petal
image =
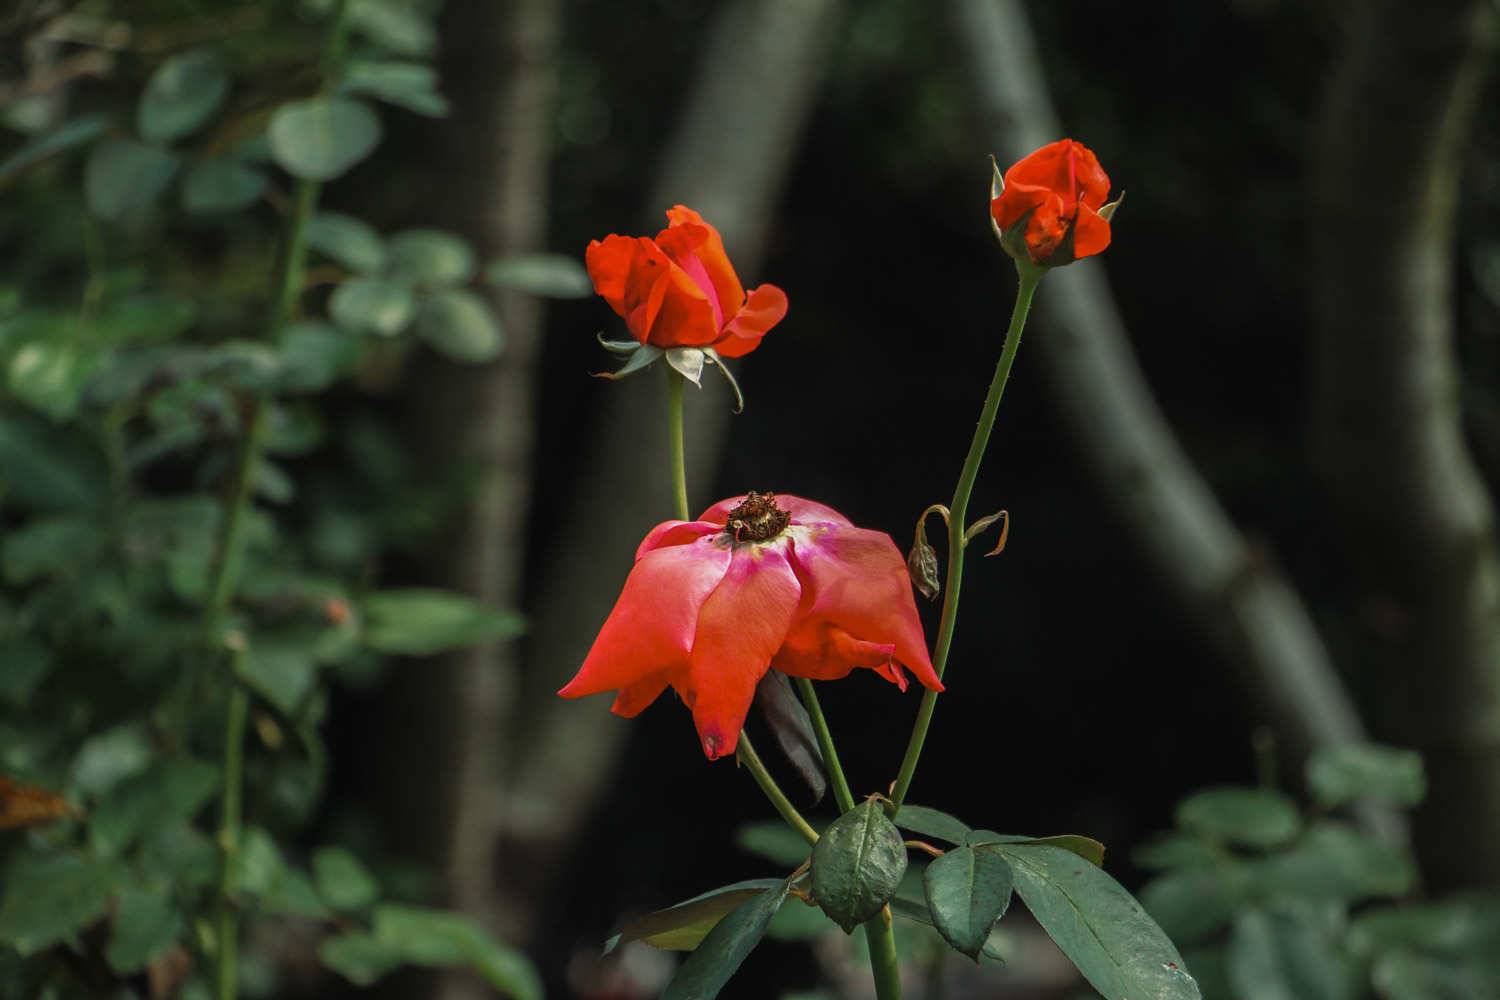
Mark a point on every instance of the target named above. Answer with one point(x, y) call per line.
point(818, 649)
point(633, 699)
point(741, 626)
point(675, 533)
point(1091, 233)
point(715, 261)
point(653, 623)
point(860, 584)
point(765, 307)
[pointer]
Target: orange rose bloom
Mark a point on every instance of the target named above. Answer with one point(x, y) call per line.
point(1058, 194)
point(679, 290)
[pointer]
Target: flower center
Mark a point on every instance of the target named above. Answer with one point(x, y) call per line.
point(757, 518)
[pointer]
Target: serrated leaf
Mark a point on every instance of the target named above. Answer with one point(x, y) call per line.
point(460, 325)
point(1098, 925)
point(170, 792)
point(123, 175)
point(420, 622)
point(553, 275)
point(967, 890)
point(313, 356)
point(146, 923)
point(429, 257)
point(49, 897)
point(342, 880)
point(394, 25)
point(181, 95)
point(933, 823)
point(417, 936)
point(374, 305)
point(683, 926)
point(725, 948)
point(1245, 817)
point(1339, 775)
point(1086, 848)
point(1335, 861)
point(1193, 903)
point(320, 138)
point(281, 669)
point(1463, 925)
point(217, 186)
point(47, 469)
point(857, 865)
point(349, 241)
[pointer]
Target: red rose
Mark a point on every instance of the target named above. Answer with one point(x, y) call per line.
point(679, 290)
point(758, 582)
point(1053, 205)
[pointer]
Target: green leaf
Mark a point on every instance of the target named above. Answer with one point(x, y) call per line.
point(1086, 848)
point(50, 377)
point(107, 758)
point(553, 275)
point(217, 186)
point(395, 25)
point(429, 257)
point(1340, 774)
point(1336, 862)
point(915, 910)
point(347, 240)
point(432, 937)
point(683, 926)
point(1453, 927)
point(932, 823)
point(53, 546)
point(147, 923)
point(420, 622)
point(1193, 903)
point(726, 947)
point(281, 669)
point(49, 897)
point(857, 865)
point(1408, 975)
point(1096, 923)
point(342, 880)
point(313, 356)
point(373, 305)
point(320, 138)
point(77, 132)
point(409, 85)
point(181, 95)
point(359, 957)
point(460, 324)
point(774, 841)
point(1283, 956)
point(46, 469)
point(171, 792)
point(1175, 849)
point(1245, 817)
point(967, 891)
point(123, 175)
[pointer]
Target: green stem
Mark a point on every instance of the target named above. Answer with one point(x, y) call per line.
point(958, 512)
point(773, 791)
point(674, 438)
point(229, 837)
point(881, 939)
point(841, 793)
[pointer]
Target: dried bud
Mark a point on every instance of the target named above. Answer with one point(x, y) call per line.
point(922, 561)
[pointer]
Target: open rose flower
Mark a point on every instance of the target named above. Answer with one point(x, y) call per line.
point(1050, 207)
point(757, 582)
point(680, 291)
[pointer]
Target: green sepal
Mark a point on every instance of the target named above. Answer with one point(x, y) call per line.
point(643, 357)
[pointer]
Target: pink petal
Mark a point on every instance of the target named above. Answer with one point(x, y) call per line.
point(670, 533)
point(653, 622)
point(859, 582)
point(741, 626)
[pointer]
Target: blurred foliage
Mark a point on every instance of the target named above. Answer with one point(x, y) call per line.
point(1269, 899)
point(194, 501)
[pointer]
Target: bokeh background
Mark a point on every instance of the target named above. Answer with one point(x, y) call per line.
point(1249, 454)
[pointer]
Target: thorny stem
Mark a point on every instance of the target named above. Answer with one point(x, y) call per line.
point(841, 793)
point(757, 769)
point(957, 521)
point(229, 550)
